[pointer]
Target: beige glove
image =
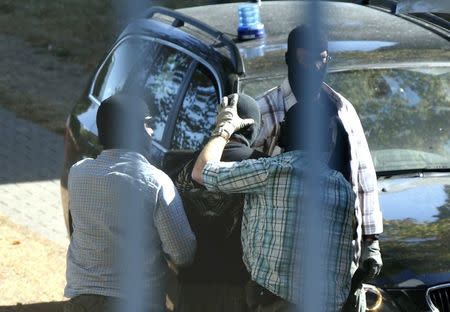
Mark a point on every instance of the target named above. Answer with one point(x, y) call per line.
point(228, 120)
point(371, 257)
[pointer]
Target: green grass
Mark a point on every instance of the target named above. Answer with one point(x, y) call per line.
point(76, 30)
point(79, 30)
point(35, 109)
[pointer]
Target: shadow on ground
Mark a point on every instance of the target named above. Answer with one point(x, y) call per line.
point(36, 307)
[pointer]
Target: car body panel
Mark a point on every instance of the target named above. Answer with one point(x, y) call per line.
point(416, 238)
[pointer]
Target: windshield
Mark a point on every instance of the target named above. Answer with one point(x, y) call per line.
point(405, 113)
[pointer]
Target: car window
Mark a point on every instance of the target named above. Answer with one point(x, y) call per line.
point(198, 111)
point(148, 69)
point(114, 72)
point(405, 112)
point(160, 84)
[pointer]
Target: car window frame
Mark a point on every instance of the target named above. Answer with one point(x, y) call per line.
point(164, 144)
point(216, 83)
point(170, 126)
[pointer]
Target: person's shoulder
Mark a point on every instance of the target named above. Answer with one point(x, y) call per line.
point(268, 100)
point(268, 93)
point(83, 162)
point(342, 102)
point(335, 179)
point(81, 165)
point(157, 177)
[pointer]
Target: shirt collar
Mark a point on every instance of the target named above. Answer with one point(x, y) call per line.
point(122, 153)
point(288, 95)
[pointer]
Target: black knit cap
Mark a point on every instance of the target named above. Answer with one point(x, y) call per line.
point(301, 36)
point(119, 117)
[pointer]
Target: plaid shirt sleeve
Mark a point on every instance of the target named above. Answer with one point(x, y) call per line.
point(178, 240)
point(248, 176)
point(372, 221)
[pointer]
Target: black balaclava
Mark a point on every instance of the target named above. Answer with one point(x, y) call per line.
point(239, 147)
point(120, 123)
point(299, 37)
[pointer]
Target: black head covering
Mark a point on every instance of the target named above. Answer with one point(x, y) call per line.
point(239, 148)
point(305, 81)
point(248, 108)
point(120, 121)
point(300, 37)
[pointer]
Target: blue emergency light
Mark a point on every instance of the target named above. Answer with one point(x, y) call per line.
point(250, 26)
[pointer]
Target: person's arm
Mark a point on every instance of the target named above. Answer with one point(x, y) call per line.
point(211, 152)
point(372, 221)
point(177, 239)
point(245, 177)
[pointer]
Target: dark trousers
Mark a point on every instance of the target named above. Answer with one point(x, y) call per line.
point(92, 303)
point(260, 299)
point(277, 306)
point(83, 303)
point(55, 306)
point(209, 297)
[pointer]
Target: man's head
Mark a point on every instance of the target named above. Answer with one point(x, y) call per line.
point(122, 122)
point(247, 108)
point(307, 58)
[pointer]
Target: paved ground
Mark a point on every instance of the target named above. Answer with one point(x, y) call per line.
point(30, 161)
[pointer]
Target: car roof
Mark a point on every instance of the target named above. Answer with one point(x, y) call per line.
point(359, 36)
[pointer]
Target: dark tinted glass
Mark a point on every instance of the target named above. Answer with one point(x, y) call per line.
point(159, 85)
point(198, 112)
point(405, 114)
point(147, 69)
point(116, 69)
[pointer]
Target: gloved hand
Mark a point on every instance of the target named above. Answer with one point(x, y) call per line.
point(228, 120)
point(371, 250)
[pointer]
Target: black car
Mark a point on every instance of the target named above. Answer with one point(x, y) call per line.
point(394, 68)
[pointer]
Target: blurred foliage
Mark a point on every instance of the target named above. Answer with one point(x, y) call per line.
point(408, 245)
point(416, 247)
point(400, 108)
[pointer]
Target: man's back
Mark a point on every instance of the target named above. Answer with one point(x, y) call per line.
point(101, 193)
point(273, 190)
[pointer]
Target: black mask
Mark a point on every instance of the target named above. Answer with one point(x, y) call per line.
point(305, 81)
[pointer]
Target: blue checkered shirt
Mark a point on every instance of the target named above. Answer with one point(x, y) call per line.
point(273, 191)
point(101, 192)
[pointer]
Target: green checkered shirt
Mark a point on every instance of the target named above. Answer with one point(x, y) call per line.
point(273, 188)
